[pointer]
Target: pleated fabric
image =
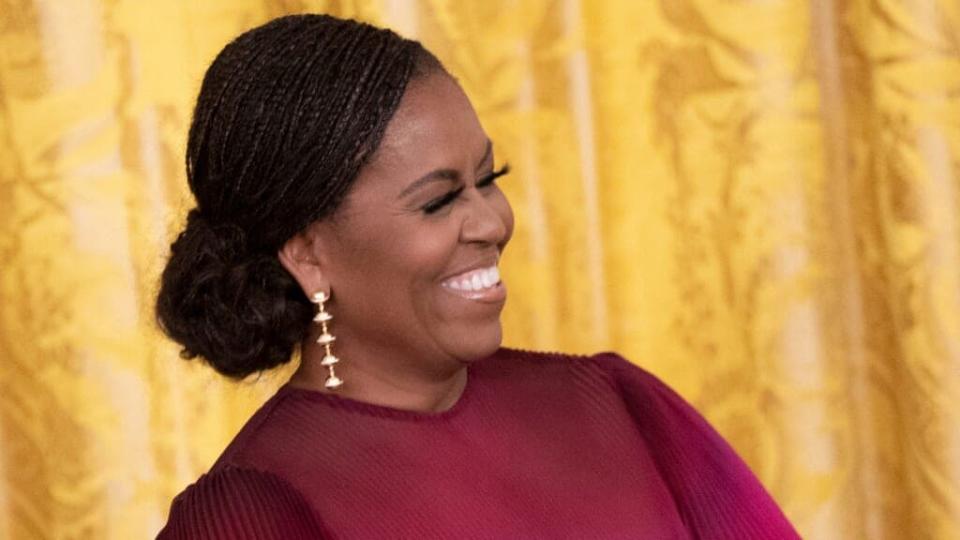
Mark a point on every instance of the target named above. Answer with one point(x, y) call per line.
point(538, 446)
point(235, 503)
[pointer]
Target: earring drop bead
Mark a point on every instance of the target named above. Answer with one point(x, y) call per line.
point(329, 360)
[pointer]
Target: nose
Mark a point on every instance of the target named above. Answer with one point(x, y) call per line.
point(488, 220)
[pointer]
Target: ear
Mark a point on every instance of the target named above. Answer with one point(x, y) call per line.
point(302, 256)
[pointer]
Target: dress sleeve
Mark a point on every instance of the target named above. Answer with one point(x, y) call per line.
point(717, 495)
point(238, 503)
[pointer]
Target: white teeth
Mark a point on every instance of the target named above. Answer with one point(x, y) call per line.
point(475, 280)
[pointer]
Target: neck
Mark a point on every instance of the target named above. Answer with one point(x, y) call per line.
point(379, 383)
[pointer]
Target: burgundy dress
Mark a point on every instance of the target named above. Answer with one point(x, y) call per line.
point(538, 446)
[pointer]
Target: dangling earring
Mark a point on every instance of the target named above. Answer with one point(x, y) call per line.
point(325, 339)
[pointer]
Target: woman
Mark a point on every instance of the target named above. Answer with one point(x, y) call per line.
point(347, 205)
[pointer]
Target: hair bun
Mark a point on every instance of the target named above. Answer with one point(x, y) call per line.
point(219, 242)
point(234, 306)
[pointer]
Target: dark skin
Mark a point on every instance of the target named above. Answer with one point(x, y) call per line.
point(422, 214)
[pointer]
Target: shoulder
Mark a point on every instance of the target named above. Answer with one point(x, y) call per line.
point(273, 434)
point(643, 391)
point(608, 368)
point(234, 502)
point(605, 380)
point(526, 360)
point(715, 492)
point(659, 412)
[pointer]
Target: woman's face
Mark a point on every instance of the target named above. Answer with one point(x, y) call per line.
point(411, 256)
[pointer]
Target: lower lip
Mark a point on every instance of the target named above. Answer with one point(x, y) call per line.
point(492, 295)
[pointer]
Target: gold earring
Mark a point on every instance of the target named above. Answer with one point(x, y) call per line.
point(325, 339)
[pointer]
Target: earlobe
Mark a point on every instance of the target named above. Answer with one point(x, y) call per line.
point(299, 257)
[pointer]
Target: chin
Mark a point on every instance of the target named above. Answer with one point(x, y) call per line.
point(477, 345)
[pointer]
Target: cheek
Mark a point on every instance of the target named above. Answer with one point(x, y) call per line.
point(398, 257)
point(390, 277)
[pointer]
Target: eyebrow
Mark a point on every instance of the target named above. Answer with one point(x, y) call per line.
point(442, 175)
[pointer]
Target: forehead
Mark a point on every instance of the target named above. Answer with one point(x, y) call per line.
point(434, 126)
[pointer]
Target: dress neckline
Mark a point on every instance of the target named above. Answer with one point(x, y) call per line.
point(384, 411)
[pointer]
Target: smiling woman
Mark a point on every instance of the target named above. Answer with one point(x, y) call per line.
point(411, 253)
point(337, 163)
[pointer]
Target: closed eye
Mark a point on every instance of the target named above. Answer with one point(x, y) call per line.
point(440, 202)
point(492, 177)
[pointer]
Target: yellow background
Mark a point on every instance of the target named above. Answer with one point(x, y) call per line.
point(756, 200)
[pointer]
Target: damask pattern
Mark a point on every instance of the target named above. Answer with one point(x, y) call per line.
point(758, 201)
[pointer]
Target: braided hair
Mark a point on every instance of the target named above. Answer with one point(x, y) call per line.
point(287, 115)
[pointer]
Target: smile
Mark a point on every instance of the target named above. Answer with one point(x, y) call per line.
point(479, 284)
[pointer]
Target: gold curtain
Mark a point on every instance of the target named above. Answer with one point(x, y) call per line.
point(758, 201)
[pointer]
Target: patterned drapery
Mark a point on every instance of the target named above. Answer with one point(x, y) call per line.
point(758, 201)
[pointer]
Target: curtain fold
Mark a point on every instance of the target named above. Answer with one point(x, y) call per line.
point(758, 201)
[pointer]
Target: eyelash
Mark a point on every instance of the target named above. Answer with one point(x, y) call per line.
point(438, 203)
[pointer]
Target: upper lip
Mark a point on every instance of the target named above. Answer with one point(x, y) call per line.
point(485, 263)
